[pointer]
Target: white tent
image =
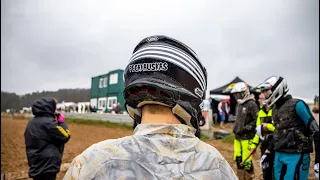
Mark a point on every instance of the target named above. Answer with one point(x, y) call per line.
point(63, 105)
point(83, 105)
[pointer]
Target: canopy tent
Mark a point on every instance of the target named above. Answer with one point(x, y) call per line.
point(226, 89)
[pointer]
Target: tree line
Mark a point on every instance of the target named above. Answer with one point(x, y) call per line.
point(13, 101)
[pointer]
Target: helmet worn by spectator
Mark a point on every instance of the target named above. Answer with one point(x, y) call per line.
point(240, 91)
point(273, 89)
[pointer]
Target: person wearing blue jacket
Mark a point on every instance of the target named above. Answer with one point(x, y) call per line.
point(295, 130)
point(45, 136)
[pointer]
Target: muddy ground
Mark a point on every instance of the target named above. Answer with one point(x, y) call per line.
point(13, 157)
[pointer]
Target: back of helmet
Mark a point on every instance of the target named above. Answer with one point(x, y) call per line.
point(166, 72)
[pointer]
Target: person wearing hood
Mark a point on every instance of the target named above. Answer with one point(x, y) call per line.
point(244, 130)
point(45, 136)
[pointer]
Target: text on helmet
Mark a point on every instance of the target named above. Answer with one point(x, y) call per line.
point(155, 66)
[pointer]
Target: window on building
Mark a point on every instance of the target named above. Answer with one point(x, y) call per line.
point(102, 103)
point(114, 78)
point(93, 102)
point(105, 82)
point(99, 103)
point(101, 83)
point(111, 102)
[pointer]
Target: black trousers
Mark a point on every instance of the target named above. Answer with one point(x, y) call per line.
point(268, 172)
point(48, 176)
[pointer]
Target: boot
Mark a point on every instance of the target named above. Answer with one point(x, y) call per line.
point(244, 175)
point(241, 174)
point(248, 176)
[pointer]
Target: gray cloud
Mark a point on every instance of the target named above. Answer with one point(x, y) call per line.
point(47, 45)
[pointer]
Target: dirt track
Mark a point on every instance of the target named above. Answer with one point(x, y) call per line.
point(13, 157)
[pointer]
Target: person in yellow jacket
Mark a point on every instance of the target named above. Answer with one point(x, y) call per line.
point(264, 135)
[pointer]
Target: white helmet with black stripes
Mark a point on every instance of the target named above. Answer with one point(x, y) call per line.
point(273, 89)
point(165, 71)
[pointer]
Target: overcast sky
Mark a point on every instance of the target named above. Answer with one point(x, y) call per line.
point(53, 44)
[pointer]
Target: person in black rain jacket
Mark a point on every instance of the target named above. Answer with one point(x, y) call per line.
point(45, 137)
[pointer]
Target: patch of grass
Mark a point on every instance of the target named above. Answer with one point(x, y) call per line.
point(99, 123)
point(203, 138)
point(228, 139)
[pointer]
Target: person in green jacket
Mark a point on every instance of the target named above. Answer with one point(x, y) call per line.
point(264, 135)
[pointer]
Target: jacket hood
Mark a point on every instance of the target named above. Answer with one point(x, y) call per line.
point(44, 107)
point(250, 97)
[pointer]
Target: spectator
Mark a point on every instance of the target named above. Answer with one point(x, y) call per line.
point(264, 134)
point(295, 129)
point(94, 109)
point(215, 112)
point(223, 112)
point(45, 137)
point(244, 130)
point(86, 108)
point(118, 108)
point(91, 108)
point(81, 109)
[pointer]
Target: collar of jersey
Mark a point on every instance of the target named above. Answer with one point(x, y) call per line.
point(177, 130)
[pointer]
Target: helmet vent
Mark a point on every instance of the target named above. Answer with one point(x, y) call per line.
point(152, 90)
point(164, 94)
point(134, 91)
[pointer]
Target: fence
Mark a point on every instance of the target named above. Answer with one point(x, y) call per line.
point(114, 118)
point(126, 119)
